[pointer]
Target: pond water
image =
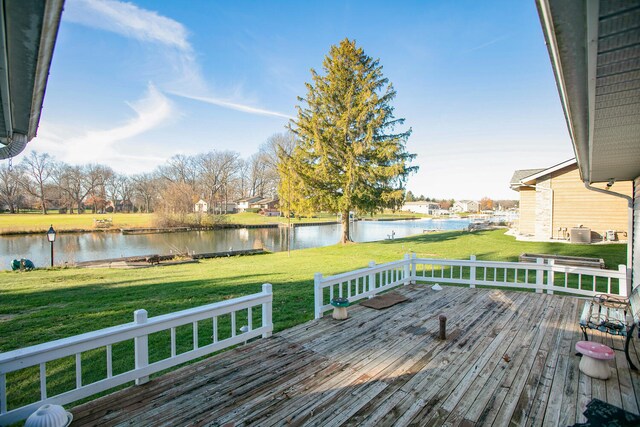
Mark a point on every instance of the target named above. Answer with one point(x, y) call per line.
point(72, 248)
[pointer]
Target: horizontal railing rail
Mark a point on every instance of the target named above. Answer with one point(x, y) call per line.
point(359, 284)
point(138, 331)
point(538, 276)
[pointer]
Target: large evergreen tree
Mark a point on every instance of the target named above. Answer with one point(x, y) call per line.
point(348, 155)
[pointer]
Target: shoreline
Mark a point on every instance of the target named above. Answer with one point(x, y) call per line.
point(161, 230)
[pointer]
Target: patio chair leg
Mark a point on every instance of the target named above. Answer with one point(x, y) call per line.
point(626, 346)
point(584, 332)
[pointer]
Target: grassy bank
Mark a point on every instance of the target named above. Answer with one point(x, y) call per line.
point(38, 223)
point(45, 305)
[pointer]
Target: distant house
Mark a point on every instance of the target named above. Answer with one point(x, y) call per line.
point(229, 207)
point(265, 203)
point(554, 200)
point(201, 207)
point(423, 207)
point(246, 202)
point(118, 206)
point(465, 206)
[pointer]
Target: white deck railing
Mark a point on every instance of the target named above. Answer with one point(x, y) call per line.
point(138, 331)
point(541, 277)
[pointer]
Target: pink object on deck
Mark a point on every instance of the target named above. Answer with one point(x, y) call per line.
point(594, 350)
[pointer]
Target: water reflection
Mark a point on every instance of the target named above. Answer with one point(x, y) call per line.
point(71, 248)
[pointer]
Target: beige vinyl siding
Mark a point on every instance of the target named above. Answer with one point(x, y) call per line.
point(527, 221)
point(574, 205)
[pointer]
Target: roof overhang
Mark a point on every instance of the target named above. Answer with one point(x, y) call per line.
point(531, 179)
point(595, 53)
point(28, 31)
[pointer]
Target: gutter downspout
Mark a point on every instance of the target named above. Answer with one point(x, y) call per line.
point(13, 147)
point(629, 200)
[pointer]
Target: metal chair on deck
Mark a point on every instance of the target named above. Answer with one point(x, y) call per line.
point(613, 315)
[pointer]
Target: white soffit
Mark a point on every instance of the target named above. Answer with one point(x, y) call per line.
point(594, 48)
point(615, 148)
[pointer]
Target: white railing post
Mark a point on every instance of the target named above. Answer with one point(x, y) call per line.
point(141, 345)
point(407, 269)
point(623, 283)
point(472, 272)
point(372, 279)
point(414, 276)
point(551, 278)
point(539, 275)
point(3, 393)
point(317, 286)
point(267, 308)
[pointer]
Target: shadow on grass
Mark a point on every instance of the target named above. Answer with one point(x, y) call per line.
point(428, 238)
point(613, 254)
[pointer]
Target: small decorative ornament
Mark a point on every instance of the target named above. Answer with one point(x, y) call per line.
point(49, 416)
point(340, 302)
point(436, 287)
point(340, 308)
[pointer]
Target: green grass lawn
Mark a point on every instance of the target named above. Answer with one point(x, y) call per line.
point(254, 218)
point(36, 222)
point(67, 298)
point(45, 305)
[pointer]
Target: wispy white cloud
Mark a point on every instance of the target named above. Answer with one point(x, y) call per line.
point(128, 20)
point(489, 43)
point(232, 105)
point(99, 145)
point(170, 40)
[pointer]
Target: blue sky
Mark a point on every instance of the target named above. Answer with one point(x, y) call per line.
point(133, 84)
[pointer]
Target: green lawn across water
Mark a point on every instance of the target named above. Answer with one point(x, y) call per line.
point(37, 222)
point(45, 305)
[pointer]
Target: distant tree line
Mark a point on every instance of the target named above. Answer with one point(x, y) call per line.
point(41, 182)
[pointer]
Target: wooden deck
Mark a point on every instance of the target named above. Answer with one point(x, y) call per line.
point(509, 359)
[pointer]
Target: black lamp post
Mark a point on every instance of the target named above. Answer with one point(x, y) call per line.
point(51, 236)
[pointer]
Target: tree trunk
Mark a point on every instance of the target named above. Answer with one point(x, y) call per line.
point(43, 200)
point(346, 237)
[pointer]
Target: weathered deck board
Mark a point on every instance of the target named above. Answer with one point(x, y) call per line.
point(509, 359)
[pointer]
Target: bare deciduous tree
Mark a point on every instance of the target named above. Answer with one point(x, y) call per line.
point(38, 169)
point(11, 187)
point(145, 188)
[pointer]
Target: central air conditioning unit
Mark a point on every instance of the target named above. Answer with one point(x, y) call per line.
point(580, 235)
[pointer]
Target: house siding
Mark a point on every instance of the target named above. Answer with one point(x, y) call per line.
point(635, 253)
point(575, 205)
point(527, 216)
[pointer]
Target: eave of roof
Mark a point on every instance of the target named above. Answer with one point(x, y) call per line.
point(28, 31)
point(524, 177)
point(593, 47)
point(533, 177)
